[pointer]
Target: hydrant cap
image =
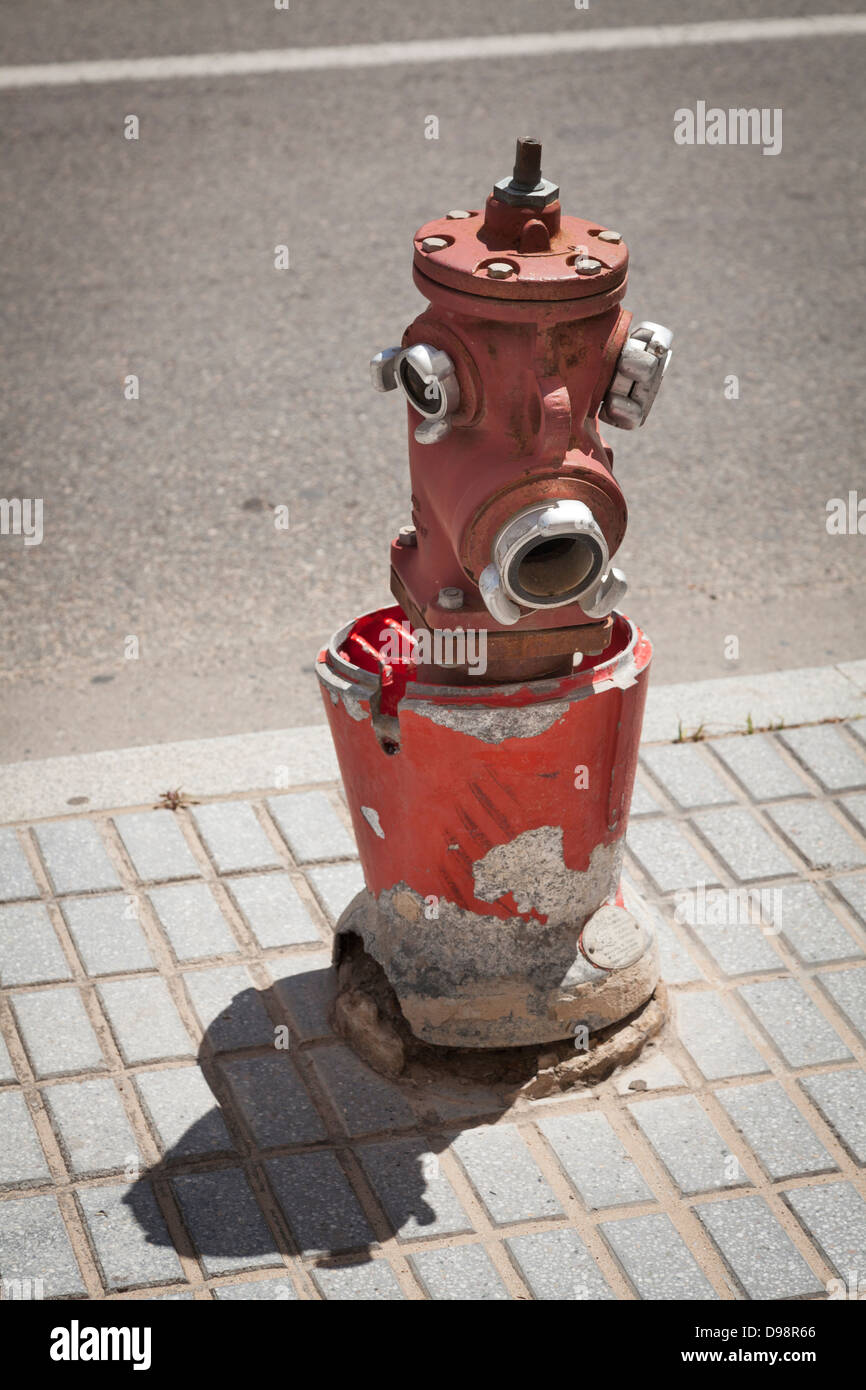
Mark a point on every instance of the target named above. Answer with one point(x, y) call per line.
point(520, 246)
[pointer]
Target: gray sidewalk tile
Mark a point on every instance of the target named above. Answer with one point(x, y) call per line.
point(76, 857)
point(808, 925)
point(688, 1144)
point(793, 1023)
point(335, 885)
point(834, 1215)
point(743, 845)
point(183, 1111)
point(857, 727)
point(274, 1101)
point(471, 1102)
point(274, 911)
point(34, 1245)
point(714, 1038)
point(856, 808)
point(595, 1160)
point(144, 1020)
point(229, 1007)
point(234, 836)
point(95, 1135)
point(418, 1199)
point(643, 801)
point(853, 890)
point(656, 1071)
point(132, 1243)
point(258, 1290)
point(823, 842)
point(155, 843)
point(774, 1129)
point(372, 1282)
point(311, 827)
point(193, 921)
point(320, 1207)
point(56, 1032)
point(656, 1259)
point(22, 1161)
point(557, 1266)
point(841, 1098)
point(671, 861)
point(837, 764)
point(678, 966)
point(757, 763)
point(739, 947)
point(225, 1222)
point(461, 1273)
point(847, 989)
point(504, 1174)
point(305, 986)
point(367, 1102)
point(757, 1249)
point(108, 937)
point(16, 879)
point(687, 776)
point(29, 950)
point(7, 1070)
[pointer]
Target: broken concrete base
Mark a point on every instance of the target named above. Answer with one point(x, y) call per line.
point(469, 981)
point(367, 1015)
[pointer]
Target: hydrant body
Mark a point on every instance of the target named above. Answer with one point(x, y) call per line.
point(487, 725)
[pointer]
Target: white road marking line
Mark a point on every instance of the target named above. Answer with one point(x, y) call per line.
point(275, 60)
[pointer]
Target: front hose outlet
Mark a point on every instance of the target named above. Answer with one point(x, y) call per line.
point(547, 556)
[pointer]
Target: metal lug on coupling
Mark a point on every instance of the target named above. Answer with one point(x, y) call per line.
point(637, 376)
point(604, 597)
point(383, 369)
point(496, 601)
point(428, 380)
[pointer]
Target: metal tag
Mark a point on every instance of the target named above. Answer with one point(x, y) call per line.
point(612, 938)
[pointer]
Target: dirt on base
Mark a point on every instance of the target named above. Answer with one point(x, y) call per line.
point(368, 1017)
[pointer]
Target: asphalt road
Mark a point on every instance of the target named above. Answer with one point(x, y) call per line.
point(155, 257)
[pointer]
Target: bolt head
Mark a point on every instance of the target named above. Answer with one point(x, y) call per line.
point(455, 213)
point(450, 598)
point(614, 237)
point(433, 243)
point(500, 270)
point(585, 265)
point(407, 535)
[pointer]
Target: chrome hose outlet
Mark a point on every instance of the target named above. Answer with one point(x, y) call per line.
point(549, 555)
point(428, 380)
point(637, 376)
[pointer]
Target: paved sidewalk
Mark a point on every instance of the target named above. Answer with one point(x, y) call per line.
point(156, 1143)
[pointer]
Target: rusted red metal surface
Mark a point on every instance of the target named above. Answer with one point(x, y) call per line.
point(531, 380)
point(444, 797)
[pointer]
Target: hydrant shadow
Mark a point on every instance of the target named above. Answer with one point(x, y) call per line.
point(263, 1144)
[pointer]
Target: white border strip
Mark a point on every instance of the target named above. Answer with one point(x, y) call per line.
point(284, 758)
point(378, 55)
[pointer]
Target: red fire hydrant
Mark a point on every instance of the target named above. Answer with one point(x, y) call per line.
point(487, 724)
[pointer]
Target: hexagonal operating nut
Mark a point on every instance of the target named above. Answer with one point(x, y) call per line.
point(428, 380)
point(637, 376)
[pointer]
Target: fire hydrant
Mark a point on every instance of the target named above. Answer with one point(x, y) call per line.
point(487, 724)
